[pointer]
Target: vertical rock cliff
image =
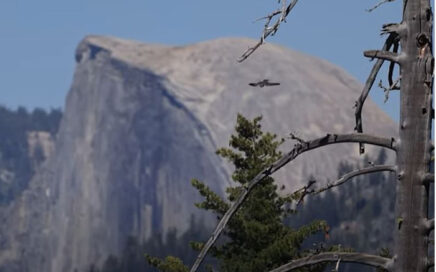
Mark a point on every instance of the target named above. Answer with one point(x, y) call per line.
point(141, 120)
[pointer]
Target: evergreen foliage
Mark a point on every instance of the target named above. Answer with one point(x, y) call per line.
point(256, 239)
point(169, 264)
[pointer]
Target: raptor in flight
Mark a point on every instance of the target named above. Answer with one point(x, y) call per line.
point(263, 83)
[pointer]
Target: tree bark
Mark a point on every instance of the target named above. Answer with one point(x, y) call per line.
point(413, 150)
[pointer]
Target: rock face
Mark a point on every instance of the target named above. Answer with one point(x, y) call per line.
point(141, 120)
point(41, 146)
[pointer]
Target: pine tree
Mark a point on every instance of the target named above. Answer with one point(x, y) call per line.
point(256, 239)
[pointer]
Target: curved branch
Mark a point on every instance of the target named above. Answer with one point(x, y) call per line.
point(363, 171)
point(346, 257)
point(392, 64)
point(291, 155)
point(345, 178)
point(368, 84)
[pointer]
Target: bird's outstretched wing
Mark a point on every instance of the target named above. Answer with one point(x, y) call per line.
point(272, 83)
point(253, 84)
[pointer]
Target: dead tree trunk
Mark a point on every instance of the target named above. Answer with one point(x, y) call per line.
point(414, 148)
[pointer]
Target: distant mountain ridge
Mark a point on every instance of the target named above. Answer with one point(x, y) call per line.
point(141, 120)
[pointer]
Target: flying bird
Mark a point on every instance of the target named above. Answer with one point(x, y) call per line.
point(263, 83)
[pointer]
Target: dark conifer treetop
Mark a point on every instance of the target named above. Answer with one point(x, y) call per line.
point(256, 239)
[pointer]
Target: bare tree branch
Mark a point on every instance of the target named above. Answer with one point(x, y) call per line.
point(293, 136)
point(288, 157)
point(346, 257)
point(376, 168)
point(337, 265)
point(392, 87)
point(380, 54)
point(269, 16)
point(379, 4)
point(270, 30)
point(392, 28)
point(305, 191)
point(368, 84)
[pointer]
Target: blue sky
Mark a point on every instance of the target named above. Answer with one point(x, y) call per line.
point(38, 38)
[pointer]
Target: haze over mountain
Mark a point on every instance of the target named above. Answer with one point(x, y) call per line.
point(141, 120)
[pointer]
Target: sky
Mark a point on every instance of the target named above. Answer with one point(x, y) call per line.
point(38, 38)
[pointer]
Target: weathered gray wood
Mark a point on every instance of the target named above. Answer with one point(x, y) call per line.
point(348, 176)
point(384, 55)
point(413, 160)
point(346, 257)
point(368, 85)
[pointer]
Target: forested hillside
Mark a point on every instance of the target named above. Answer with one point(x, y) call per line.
point(133, 258)
point(363, 207)
point(24, 143)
